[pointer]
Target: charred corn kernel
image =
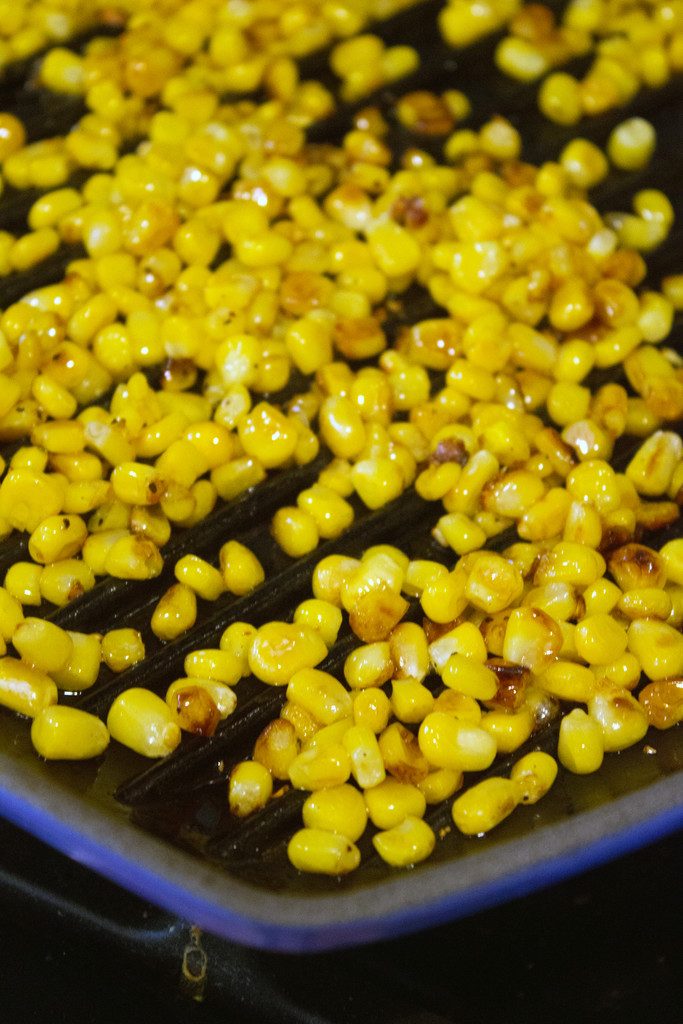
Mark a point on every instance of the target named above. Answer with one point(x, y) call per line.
point(142, 721)
point(249, 788)
point(200, 576)
point(663, 702)
point(601, 597)
point(321, 616)
point(22, 582)
point(652, 467)
point(658, 647)
point(371, 708)
point(444, 597)
point(279, 649)
point(28, 497)
point(647, 602)
point(599, 639)
point(509, 729)
point(295, 530)
point(320, 852)
point(267, 435)
point(534, 775)
point(64, 581)
point(568, 681)
point(276, 747)
point(122, 648)
point(631, 144)
point(447, 742)
point(580, 746)
point(175, 612)
point(64, 733)
point(409, 651)
point(466, 676)
point(320, 767)
point(485, 805)
point(621, 718)
point(321, 694)
point(42, 644)
point(408, 843)
point(375, 614)
point(242, 571)
point(402, 755)
point(532, 638)
point(56, 538)
point(194, 707)
point(340, 809)
point(571, 563)
point(25, 689)
point(634, 566)
point(365, 756)
point(493, 583)
point(330, 512)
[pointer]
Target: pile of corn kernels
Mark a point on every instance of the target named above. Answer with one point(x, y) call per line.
point(224, 257)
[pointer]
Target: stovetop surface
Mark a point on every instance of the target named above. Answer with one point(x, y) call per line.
point(604, 946)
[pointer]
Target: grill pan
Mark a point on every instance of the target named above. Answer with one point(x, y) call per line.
point(164, 831)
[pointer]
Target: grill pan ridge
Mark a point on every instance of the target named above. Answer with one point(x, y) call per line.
point(164, 831)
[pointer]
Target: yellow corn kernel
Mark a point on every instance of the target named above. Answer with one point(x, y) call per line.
point(22, 582)
point(321, 694)
point(571, 563)
point(295, 530)
point(621, 718)
point(340, 809)
point(671, 554)
point(533, 775)
point(279, 649)
point(341, 427)
point(440, 784)
point(532, 638)
point(658, 647)
point(321, 852)
point(391, 802)
point(377, 481)
point(331, 513)
point(447, 742)
point(249, 788)
point(321, 616)
point(24, 689)
point(483, 806)
point(580, 747)
point(27, 498)
point(458, 705)
point(367, 766)
point(267, 435)
point(200, 576)
point(470, 678)
point(509, 729)
point(599, 639)
point(409, 651)
point(330, 575)
point(652, 467)
point(459, 532)
point(419, 573)
point(42, 645)
point(444, 598)
point(175, 612)
point(601, 597)
point(64, 733)
point(142, 721)
point(320, 767)
point(11, 614)
point(134, 558)
point(568, 681)
point(493, 583)
point(56, 538)
point(122, 648)
point(242, 571)
point(408, 843)
point(326, 735)
point(631, 144)
point(646, 602)
point(371, 708)
point(62, 582)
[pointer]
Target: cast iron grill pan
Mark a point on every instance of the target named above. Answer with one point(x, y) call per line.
point(162, 829)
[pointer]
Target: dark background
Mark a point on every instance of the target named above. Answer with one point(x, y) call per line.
point(604, 946)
